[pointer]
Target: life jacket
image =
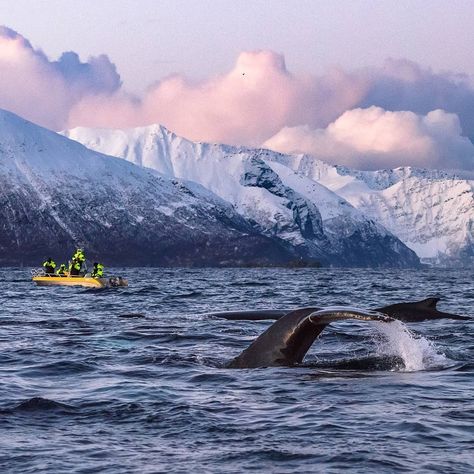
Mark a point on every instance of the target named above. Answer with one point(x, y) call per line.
point(49, 263)
point(98, 271)
point(79, 256)
point(62, 269)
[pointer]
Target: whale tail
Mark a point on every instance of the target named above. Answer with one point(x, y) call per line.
point(408, 312)
point(419, 311)
point(428, 303)
point(287, 341)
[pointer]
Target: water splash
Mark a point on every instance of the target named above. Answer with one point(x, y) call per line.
point(416, 352)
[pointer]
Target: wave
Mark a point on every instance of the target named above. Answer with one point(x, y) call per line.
point(131, 316)
point(248, 283)
point(60, 368)
point(190, 294)
point(39, 404)
point(369, 363)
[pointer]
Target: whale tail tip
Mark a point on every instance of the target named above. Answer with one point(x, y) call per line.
point(429, 303)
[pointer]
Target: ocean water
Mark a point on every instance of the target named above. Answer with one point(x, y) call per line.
point(133, 380)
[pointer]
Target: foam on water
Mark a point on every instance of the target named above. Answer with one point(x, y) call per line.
point(416, 352)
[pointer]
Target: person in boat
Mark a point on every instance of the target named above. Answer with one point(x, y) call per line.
point(77, 261)
point(79, 256)
point(74, 268)
point(98, 270)
point(49, 265)
point(61, 271)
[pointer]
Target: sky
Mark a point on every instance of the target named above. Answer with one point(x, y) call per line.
point(291, 75)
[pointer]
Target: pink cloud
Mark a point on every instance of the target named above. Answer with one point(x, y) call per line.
point(247, 105)
point(374, 138)
point(45, 91)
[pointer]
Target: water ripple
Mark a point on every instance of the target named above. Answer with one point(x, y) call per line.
point(133, 380)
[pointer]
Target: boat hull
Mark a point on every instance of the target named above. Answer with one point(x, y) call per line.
point(87, 282)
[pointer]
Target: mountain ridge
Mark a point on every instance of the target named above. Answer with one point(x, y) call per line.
point(440, 232)
point(432, 211)
point(244, 177)
point(55, 194)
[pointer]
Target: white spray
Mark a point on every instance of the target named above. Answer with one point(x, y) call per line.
point(416, 352)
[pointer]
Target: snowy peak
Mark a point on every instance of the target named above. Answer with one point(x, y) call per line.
point(383, 179)
point(279, 203)
point(55, 193)
point(380, 179)
point(431, 211)
point(433, 216)
point(26, 146)
point(146, 140)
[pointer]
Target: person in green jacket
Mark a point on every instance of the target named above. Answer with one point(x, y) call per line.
point(79, 255)
point(98, 270)
point(74, 268)
point(49, 265)
point(78, 259)
point(61, 271)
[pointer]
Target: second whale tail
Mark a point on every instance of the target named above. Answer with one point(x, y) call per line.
point(409, 312)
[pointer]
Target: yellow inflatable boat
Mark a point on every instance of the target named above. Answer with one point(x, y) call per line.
point(85, 281)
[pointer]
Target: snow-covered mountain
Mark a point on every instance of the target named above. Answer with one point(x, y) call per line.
point(431, 211)
point(56, 193)
point(280, 203)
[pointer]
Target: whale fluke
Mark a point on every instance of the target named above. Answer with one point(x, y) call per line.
point(419, 311)
point(408, 312)
point(287, 341)
point(428, 302)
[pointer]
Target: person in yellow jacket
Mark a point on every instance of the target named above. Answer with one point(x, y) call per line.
point(79, 256)
point(49, 265)
point(74, 268)
point(98, 270)
point(61, 271)
point(77, 261)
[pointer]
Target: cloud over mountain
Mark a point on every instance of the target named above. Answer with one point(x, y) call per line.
point(404, 85)
point(256, 100)
point(247, 105)
point(45, 91)
point(374, 138)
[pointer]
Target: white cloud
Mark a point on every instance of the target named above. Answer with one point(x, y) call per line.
point(374, 138)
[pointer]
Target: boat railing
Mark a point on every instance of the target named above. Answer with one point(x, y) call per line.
point(39, 272)
point(36, 272)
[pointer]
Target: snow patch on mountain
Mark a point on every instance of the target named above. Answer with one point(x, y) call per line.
point(55, 194)
point(432, 211)
point(280, 203)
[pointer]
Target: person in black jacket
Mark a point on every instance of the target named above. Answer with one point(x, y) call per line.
point(49, 265)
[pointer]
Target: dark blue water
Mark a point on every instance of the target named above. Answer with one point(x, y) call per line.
point(87, 388)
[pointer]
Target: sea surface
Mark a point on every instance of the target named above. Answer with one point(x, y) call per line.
point(133, 380)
